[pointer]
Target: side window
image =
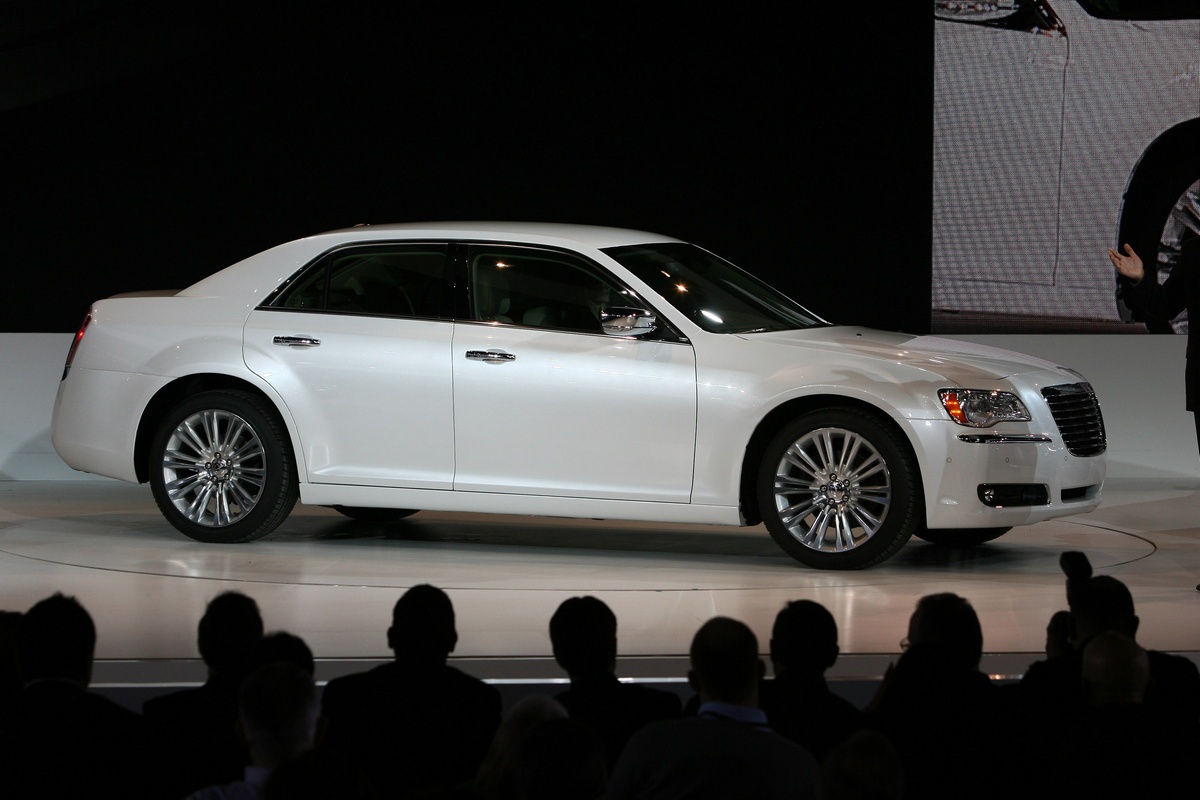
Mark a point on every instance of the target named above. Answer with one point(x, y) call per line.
point(539, 288)
point(378, 280)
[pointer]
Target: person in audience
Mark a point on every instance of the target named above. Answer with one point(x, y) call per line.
point(937, 708)
point(798, 702)
point(1117, 745)
point(560, 759)
point(61, 740)
point(320, 774)
point(10, 663)
point(864, 766)
point(283, 646)
point(278, 719)
point(1099, 603)
point(496, 778)
point(583, 636)
point(415, 723)
point(198, 727)
point(727, 750)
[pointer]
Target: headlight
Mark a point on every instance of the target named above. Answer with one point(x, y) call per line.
point(982, 408)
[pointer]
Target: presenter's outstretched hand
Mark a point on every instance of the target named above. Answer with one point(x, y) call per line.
point(1129, 264)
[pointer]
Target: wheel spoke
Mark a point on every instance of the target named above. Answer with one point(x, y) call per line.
point(792, 515)
point(801, 460)
point(197, 510)
point(832, 489)
point(786, 484)
point(222, 513)
point(844, 533)
point(815, 535)
point(214, 468)
point(868, 522)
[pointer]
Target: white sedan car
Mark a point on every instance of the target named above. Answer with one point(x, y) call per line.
point(568, 371)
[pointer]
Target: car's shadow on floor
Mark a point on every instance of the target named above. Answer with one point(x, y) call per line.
point(541, 532)
point(596, 535)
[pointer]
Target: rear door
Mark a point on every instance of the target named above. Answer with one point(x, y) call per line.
point(358, 346)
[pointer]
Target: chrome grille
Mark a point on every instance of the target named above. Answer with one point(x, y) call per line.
point(1077, 414)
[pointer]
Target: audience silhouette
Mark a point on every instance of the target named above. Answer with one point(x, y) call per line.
point(319, 774)
point(560, 759)
point(278, 712)
point(727, 750)
point(583, 635)
point(1117, 745)
point(416, 723)
point(10, 665)
point(283, 646)
point(798, 702)
point(937, 708)
point(197, 727)
point(864, 766)
point(497, 779)
point(61, 740)
point(1099, 716)
point(1100, 603)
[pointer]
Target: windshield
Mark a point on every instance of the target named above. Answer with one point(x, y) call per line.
point(713, 293)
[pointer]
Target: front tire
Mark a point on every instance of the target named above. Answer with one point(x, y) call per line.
point(221, 468)
point(838, 489)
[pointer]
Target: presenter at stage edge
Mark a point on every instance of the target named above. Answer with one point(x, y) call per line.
point(1179, 292)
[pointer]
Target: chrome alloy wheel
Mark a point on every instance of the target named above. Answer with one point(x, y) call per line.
point(214, 468)
point(833, 490)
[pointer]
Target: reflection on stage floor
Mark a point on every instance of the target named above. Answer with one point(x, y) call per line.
point(333, 581)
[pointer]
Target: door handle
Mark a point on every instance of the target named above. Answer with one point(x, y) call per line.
point(296, 341)
point(491, 356)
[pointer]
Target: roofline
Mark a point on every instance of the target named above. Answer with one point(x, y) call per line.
point(540, 232)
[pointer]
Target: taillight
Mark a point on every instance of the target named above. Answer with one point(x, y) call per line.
point(75, 344)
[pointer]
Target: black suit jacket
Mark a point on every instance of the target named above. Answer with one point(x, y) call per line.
point(62, 741)
point(411, 729)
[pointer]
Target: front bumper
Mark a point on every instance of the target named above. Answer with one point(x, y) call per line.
point(1001, 480)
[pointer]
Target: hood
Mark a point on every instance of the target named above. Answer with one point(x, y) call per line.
point(961, 361)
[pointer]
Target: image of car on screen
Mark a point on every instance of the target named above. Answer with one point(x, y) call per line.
point(569, 371)
point(1060, 127)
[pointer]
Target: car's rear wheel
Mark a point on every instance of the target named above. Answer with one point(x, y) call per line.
point(838, 490)
point(377, 515)
point(221, 468)
point(959, 537)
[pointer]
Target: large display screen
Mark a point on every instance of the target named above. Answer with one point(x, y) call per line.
point(1061, 127)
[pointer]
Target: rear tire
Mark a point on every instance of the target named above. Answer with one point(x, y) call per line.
point(221, 468)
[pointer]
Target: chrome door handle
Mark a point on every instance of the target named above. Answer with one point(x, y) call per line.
point(491, 356)
point(296, 341)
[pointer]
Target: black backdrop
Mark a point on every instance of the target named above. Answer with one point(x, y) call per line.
point(145, 147)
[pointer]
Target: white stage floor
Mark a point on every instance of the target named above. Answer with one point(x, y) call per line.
point(333, 581)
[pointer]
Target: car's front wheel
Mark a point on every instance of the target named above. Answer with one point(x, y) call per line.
point(838, 489)
point(221, 467)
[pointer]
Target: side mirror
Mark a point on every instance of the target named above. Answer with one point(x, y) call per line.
point(623, 321)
